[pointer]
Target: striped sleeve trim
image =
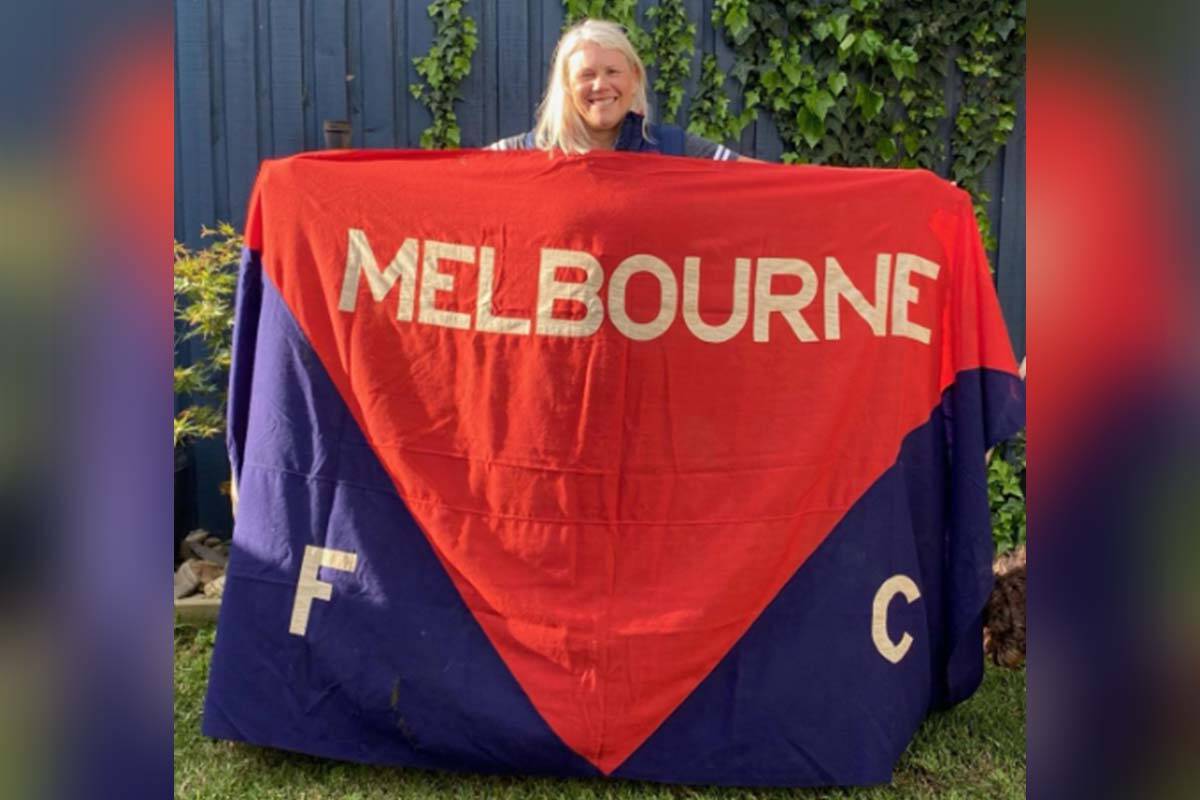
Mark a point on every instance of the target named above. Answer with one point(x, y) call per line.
point(723, 153)
point(510, 143)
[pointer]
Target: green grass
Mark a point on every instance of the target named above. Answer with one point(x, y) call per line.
point(976, 750)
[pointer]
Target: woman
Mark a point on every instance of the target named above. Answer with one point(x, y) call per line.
point(596, 100)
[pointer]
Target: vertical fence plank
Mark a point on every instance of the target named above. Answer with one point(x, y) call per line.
point(308, 75)
point(489, 79)
point(216, 60)
point(768, 145)
point(416, 41)
point(181, 188)
point(241, 106)
point(695, 12)
point(377, 76)
point(354, 69)
point(1010, 262)
point(401, 66)
point(287, 89)
point(707, 31)
point(262, 58)
point(553, 16)
point(329, 64)
point(952, 92)
point(512, 65)
point(195, 132)
point(469, 110)
point(536, 74)
point(992, 184)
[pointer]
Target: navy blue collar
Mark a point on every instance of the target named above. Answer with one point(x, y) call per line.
point(630, 136)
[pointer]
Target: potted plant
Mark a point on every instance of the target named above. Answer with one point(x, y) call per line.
point(205, 285)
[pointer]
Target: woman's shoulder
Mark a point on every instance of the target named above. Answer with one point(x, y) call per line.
point(674, 140)
point(698, 147)
point(522, 141)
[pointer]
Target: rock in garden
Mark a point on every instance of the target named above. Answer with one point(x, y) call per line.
point(216, 588)
point(186, 582)
point(213, 555)
point(195, 537)
point(205, 571)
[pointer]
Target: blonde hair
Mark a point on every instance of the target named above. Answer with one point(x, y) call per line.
point(559, 126)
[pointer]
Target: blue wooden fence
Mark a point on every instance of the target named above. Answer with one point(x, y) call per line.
point(254, 79)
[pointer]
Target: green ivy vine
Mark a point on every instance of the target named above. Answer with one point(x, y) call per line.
point(863, 82)
point(622, 12)
point(1006, 493)
point(672, 40)
point(443, 68)
point(847, 82)
point(991, 60)
point(710, 115)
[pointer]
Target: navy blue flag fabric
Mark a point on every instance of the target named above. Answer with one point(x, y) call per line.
point(542, 473)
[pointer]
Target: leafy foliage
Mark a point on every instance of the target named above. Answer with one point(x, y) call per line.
point(205, 282)
point(991, 60)
point(444, 67)
point(622, 12)
point(710, 115)
point(1006, 493)
point(673, 42)
point(863, 82)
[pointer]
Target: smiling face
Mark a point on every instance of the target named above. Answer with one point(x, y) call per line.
point(602, 84)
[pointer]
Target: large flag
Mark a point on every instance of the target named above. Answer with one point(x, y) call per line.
point(617, 464)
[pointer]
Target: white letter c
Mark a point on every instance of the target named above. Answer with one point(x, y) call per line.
point(897, 584)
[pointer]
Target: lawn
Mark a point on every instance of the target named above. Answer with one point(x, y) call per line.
point(976, 750)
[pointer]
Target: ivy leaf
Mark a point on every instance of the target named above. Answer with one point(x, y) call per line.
point(886, 147)
point(821, 30)
point(902, 68)
point(792, 71)
point(837, 82)
point(741, 70)
point(907, 96)
point(819, 103)
point(869, 101)
point(912, 143)
point(811, 127)
point(869, 43)
point(839, 26)
point(737, 20)
point(775, 23)
point(847, 43)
